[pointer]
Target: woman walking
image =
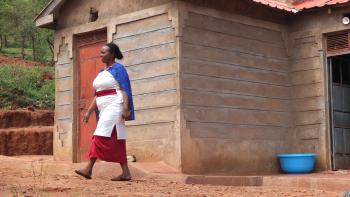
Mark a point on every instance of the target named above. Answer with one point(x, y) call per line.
point(114, 104)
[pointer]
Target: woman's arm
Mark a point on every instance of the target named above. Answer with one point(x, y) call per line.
point(126, 112)
point(91, 108)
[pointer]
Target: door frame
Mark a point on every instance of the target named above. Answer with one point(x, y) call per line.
point(329, 109)
point(329, 105)
point(76, 89)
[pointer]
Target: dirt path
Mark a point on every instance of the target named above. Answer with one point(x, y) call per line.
point(36, 182)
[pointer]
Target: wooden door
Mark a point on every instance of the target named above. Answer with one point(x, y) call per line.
point(89, 61)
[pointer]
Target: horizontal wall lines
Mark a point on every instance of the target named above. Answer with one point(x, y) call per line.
point(233, 65)
point(306, 124)
point(166, 90)
point(307, 69)
point(233, 124)
point(64, 119)
point(297, 59)
point(233, 79)
point(157, 92)
point(63, 77)
point(236, 35)
point(160, 107)
point(150, 46)
point(210, 61)
point(63, 105)
point(155, 107)
point(248, 61)
point(235, 93)
point(63, 91)
point(234, 108)
point(309, 110)
point(145, 32)
point(148, 123)
point(311, 83)
point(148, 62)
point(154, 77)
point(63, 64)
point(253, 55)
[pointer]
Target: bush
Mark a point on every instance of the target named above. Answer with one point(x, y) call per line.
point(26, 86)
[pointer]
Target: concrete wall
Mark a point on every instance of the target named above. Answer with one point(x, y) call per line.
point(244, 8)
point(77, 12)
point(218, 88)
point(148, 41)
point(309, 80)
point(63, 144)
point(235, 93)
point(150, 57)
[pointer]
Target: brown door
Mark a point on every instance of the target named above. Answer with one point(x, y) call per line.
point(89, 61)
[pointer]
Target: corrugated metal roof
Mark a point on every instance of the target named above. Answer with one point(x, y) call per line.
point(299, 5)
point(307, 4)
point(276, 4)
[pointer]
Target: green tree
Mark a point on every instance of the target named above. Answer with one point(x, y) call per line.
point(16, 23)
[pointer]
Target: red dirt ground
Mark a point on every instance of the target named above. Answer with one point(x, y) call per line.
point(35, 182)
point(25, 118)
point(42, 176)
point(18, 61)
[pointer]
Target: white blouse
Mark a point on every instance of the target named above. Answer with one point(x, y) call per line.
point(110, 106)
point(105, 81)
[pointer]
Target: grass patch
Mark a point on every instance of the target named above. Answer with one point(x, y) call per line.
point(17, 52)
point(26, 86)
point(44, 57)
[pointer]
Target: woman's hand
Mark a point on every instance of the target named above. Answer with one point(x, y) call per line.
point(126, 114)
point(86, 117)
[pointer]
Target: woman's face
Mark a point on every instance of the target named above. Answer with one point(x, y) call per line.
point(106, 56)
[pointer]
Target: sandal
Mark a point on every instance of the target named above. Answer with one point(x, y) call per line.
point(82, 174)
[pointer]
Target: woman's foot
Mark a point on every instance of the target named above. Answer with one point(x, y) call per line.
point(121, 178)
point(84, 173)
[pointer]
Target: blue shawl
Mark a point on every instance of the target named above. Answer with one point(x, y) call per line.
point(120, 74)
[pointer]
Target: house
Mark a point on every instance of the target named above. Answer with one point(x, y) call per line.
point(220, 86)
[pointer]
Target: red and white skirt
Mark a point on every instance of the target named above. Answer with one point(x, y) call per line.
point(109, 149)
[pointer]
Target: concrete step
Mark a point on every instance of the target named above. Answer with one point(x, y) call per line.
point(225, 180)
point(323, 181)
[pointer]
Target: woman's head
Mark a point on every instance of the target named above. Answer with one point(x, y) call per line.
point(110, 52)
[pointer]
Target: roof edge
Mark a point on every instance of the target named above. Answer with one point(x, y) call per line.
point(50, 8)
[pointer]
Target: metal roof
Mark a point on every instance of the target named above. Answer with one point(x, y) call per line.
point(298, 5)
point(46, 17)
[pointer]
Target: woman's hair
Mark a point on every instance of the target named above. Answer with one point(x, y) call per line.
point(114, 49)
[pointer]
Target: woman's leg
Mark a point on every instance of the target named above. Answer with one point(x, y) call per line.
point(126, 175)
point(87, 171)
point(126, 171)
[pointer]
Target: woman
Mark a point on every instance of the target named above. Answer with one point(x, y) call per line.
point(114, 104)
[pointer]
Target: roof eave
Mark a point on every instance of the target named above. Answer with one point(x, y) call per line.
point(46, 18)
point(47, 21)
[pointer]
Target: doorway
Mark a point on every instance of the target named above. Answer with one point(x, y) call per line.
point(339, 83)
point(89, 64)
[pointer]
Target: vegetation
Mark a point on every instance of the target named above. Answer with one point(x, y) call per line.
point(18, 31)
point(26, 86)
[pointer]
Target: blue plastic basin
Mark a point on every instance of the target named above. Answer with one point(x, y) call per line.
point(297, 163)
